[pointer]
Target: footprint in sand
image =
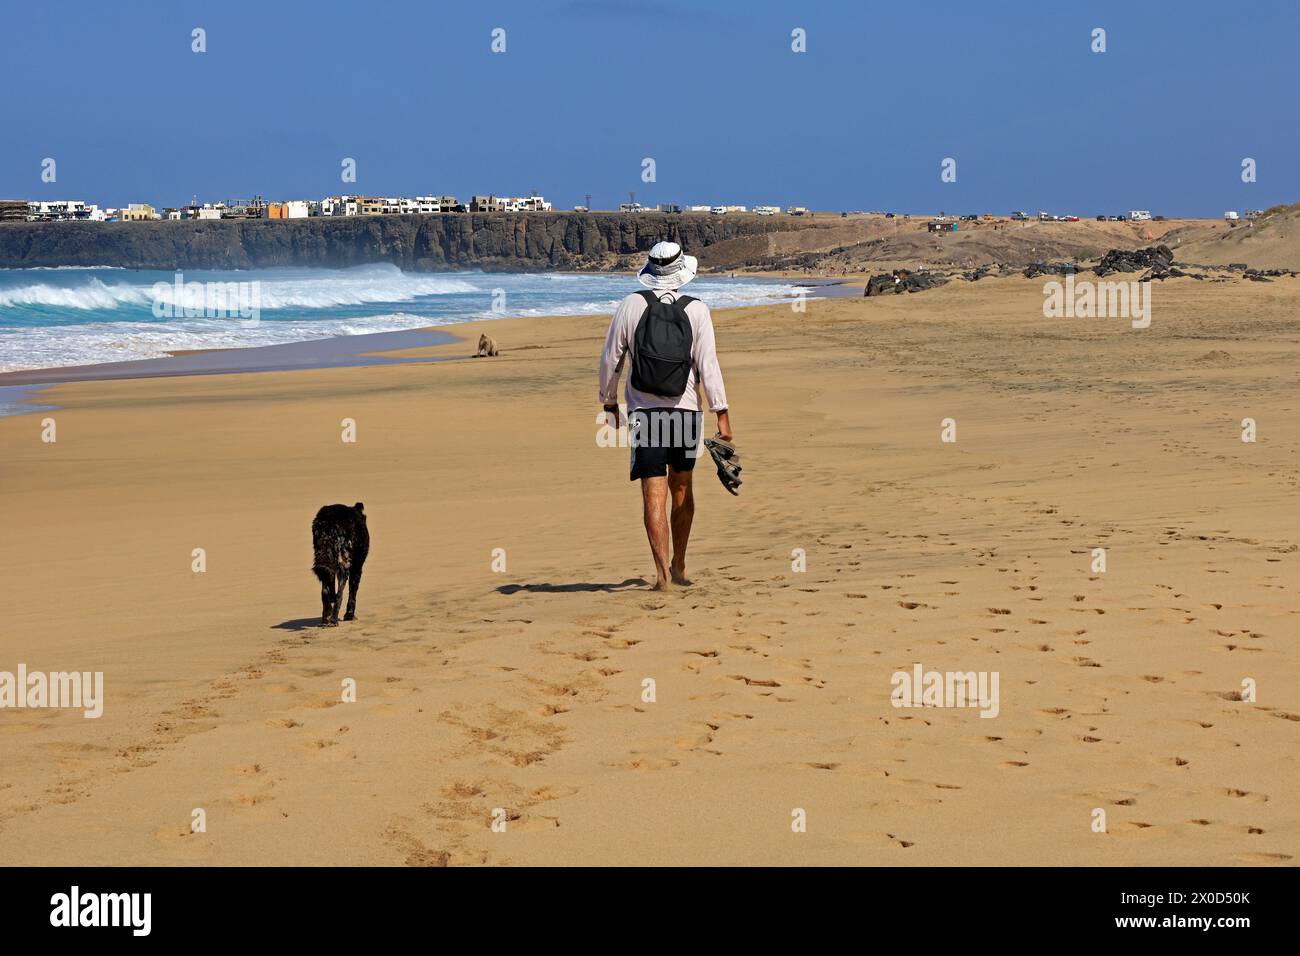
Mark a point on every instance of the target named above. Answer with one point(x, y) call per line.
point(646, 762)
point(414, 852)
point(754, 681)
point(701, 735)
point(1244, 795)
point(544, 793)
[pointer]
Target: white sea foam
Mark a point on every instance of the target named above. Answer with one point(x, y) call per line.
point(91, 294)
point(304, 290)
point(72, 268)
point(89, 320)
point(98, 342)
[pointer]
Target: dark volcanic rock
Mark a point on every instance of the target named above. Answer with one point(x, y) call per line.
point(919, 281)
point(1158, 259)
point(500, 242)
point(1170, 272)
point(903, 280)
point(1050, 269)
point(879, 285)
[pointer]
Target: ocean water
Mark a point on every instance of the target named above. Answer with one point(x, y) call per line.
point(52, 318)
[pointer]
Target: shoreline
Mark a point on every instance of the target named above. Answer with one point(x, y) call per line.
point(338, 351)
point(342, 351)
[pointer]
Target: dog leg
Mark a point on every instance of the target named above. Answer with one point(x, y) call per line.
point(352, 584)
point(326, 595)
point(328, 604)
point(338, 597)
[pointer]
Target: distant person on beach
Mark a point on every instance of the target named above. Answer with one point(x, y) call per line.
point(667, 340)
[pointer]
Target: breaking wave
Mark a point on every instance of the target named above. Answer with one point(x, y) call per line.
point(98, 342)
point(59, 318)
point(300, 290)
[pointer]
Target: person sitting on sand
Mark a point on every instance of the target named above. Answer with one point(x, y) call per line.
point(667, 340)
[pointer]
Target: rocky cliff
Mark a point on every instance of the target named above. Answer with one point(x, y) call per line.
point(506, 241)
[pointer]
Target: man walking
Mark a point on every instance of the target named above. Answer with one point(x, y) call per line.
point(667, 340)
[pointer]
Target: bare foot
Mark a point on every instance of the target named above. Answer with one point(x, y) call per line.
point(679, 577)
point(661, 585)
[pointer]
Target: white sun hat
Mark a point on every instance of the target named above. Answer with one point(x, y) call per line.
point(667, 267)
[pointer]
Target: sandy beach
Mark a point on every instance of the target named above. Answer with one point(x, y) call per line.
point(523, 691)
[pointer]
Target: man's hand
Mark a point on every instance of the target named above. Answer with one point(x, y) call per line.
point(612, 411)
point(724, 425)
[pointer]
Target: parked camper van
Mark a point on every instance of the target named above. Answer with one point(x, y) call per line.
point(1139, 215)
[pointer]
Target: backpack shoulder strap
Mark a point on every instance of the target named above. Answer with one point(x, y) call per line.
point(684, 300)
point(649, 296)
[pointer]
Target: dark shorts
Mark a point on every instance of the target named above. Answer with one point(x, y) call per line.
point(663, 438)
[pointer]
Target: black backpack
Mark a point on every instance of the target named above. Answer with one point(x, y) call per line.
point(661, 363)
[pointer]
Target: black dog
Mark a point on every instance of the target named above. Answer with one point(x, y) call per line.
point(341, 541)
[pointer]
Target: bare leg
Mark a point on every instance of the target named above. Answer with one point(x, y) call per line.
point(654, 492)
point(679, 484)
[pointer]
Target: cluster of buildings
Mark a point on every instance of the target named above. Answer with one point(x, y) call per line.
point(73, 210)
point(713, 210)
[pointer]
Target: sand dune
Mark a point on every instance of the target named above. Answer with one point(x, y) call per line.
point(866, 243)
point(523, 691)
point(1273, 242)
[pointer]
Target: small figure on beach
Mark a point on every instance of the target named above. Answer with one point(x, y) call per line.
point(486, 347)
point(340, 542)
point(667, 340)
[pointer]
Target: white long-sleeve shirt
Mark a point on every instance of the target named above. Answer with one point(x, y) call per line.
point(620, 344)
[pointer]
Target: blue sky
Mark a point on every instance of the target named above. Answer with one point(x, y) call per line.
point(711, 90)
